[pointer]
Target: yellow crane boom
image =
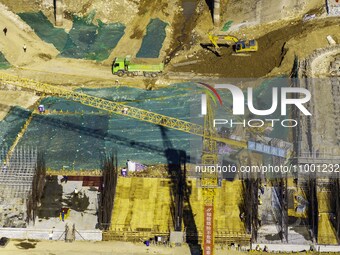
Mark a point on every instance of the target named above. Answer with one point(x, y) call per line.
point(114, 107)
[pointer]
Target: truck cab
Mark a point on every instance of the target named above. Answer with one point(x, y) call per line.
point(118, 66)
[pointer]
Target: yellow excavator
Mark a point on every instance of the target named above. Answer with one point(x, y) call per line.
point(240, 46)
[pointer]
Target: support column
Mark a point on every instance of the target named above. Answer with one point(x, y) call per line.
point(58, 10)
point(216, 13)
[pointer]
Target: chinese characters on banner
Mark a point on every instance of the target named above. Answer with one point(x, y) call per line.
point(208, 230)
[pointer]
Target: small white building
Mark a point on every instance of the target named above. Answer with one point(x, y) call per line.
point(333, 7)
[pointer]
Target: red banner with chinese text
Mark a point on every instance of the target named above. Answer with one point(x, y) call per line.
point(208, 238)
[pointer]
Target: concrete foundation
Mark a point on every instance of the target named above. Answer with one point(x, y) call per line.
point(58, 10)
point(217, 12)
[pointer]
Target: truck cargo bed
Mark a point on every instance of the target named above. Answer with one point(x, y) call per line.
point(145, 68)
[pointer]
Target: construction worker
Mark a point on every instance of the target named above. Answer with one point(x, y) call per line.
point(5, 30)
point(76, 192)
point(24, 47)
point(125, 110)
point(4, 168)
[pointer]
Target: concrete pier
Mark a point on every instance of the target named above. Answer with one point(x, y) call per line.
point(216, 12)
point(58, 10)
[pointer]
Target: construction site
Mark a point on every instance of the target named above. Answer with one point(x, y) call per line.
point(115, 117)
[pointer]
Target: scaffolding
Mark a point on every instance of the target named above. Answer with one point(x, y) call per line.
point(16, 178)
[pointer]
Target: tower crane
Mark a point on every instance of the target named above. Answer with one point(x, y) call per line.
point(208, 181)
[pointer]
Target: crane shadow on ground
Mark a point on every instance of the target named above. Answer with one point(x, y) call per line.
point(55, 121)
point(181, 209)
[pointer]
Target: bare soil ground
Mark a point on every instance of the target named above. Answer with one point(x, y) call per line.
point(40, 62)
point(32, 247)
point(105, 10)
point(273, 47)
point(275, 55)
point(19, 247)
point(135, 30)
point(15, 98)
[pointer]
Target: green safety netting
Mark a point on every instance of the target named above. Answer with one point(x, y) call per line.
point(79, 141)
point(227, 25)
point(4, 64)
point(85, 39)
point(11, 125)
point(44, 29)
point(153, 40)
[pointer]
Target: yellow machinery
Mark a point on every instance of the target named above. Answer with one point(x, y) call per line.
point(116, 108)
point(208, 181)
point(240, 46)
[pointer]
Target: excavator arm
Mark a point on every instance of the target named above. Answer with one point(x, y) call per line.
point(226, 39)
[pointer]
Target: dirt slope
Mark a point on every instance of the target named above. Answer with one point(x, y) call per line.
point(271, 51)
point(19, 34)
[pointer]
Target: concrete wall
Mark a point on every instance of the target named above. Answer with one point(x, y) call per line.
point(42, 234)
point(59, 8)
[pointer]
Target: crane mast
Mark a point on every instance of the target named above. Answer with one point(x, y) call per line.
point(209, 180)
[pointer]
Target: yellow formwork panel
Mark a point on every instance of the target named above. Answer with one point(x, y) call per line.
point(227, 212)
point(121, 205)
point(196, 202)
point(227, 203)
point(324, 201)
point(141, 203)
point(290, 182)
point(326, 232)
point(144, 203)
